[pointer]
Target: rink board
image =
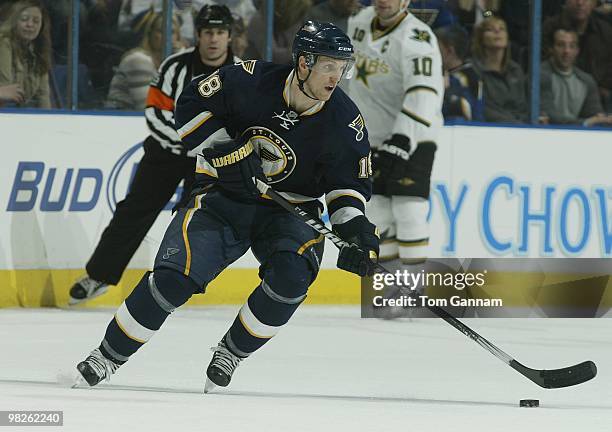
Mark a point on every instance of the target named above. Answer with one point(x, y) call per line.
point(496, 192)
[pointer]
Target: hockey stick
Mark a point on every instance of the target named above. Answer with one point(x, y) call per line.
point(551, 378)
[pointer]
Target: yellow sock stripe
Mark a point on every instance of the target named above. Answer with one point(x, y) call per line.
point(388, 241)
point(130, 325)
point(255, 327)
point(413, 244)
point(413, 261)
point(126, 333)
point(251, 332)
point(385, 258)
point(310, 243)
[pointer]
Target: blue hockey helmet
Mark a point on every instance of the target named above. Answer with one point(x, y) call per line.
point(321, 38)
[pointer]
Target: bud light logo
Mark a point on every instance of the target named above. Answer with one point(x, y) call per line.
point(38, 186)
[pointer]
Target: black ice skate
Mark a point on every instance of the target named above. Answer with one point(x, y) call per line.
point(85, 289)
point(221, 367)
point(96, 368)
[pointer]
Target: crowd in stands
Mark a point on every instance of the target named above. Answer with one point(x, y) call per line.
point(484, 44)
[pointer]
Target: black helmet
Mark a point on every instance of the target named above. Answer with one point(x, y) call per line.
point(218, 16)
point(320, 38)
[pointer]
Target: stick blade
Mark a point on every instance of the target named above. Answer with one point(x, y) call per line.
point(558, 378)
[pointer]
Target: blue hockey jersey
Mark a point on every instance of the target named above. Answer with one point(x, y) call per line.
point(323, 151)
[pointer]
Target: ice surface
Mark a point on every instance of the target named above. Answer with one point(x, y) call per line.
point(328, 370)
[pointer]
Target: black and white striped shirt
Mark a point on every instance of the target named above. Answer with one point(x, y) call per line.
point(174, 74)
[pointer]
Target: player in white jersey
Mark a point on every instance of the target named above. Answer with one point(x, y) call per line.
point(398, 86)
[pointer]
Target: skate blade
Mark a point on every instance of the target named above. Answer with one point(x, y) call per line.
point(71, 379)
point(209, 385)
point(79, 382)
point(73, 302)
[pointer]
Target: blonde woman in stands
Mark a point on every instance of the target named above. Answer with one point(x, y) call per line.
point(505, 84)
point(130, 84)
point(25, 53)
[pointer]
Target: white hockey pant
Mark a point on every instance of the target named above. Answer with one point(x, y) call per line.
point(402, 223)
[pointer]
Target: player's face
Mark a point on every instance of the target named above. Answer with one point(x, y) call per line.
point(565, 49)
point(29, 23)
point(213, 43)
point(386, 9)
point(326, 74)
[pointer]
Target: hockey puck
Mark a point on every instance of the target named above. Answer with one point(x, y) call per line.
point(529, 403)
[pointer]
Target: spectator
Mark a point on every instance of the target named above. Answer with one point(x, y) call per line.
point(244, 9)
point(130, 84)
point(288, 17)
point(102, 44)
point(12, 93)
point(25, 53)
point(240, 40)
point(517, 13)
point(505, 85)
point(60, 16)
point(472, 12)
point(605, 9)
point(132, 10)
point(434, 13)
point(595, 40)
point(334, 11)
point(5, 8)
point(569, 95)
point(463, 94)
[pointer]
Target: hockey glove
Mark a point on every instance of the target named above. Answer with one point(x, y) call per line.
point(415, 181)
point(236, 164)
point(361, 255)
point(392, 157)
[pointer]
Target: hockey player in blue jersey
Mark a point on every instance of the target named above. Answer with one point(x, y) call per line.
point(286, 125)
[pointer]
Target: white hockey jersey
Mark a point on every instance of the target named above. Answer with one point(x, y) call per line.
point(398, 82)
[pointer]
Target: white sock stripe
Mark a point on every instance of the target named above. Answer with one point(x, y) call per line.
point(132, 328)
point(254, 326)
point(412, 252)
point(388, 249)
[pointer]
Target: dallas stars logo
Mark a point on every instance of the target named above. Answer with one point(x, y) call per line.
point(367, 66)
point(362, 73)
point(421, 36)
